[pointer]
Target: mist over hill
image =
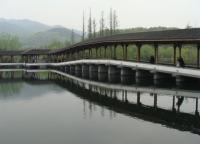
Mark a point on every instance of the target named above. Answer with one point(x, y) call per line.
point(34, 34)
point(42, 39)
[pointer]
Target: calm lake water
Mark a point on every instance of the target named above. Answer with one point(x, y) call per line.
point(44, 112)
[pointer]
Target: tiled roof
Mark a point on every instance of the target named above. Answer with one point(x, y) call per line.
point(179, 35)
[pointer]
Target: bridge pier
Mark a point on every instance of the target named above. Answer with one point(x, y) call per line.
point(143, 75)
point(102, 73)
point(85, 71)
point(161, 77)
point(173, 104)
point(155, 100)
point(113, 74)
point(138, 99)
point(78, 70)
point(127, 75)
point(197, 107)
point(93, 72)
point(67, 69)
point(72, 69)
point(185, 81)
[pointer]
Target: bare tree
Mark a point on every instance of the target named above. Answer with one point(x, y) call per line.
point(188, 26)
point(83, 35)
point(111, 21)
point(72, 37)
point(115, 21)
point(102, 24)
point(94, 28)
point(90, 25)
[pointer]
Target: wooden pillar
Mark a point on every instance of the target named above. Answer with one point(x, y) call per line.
point(197, 106)
point(79, 54)
point(179, 49)
point(115, 54)
point(83, 53)
point(96, 52)
point(48, 58)
point(198, 48)
point(90, 53)
point(155, 100)
point(105, 53)
point(73, 55)
point(100, 52)
point(76, 54)
point(28, 58)
point(33, 58)
point(12, 59)
point(111, 52)
point(38, 57)
point(138, 52)
point(175, 54)
point(123, 52)
point(156, 53)
point(126, 98)
point(82, 57)
point(126, 52)
point(138, 98)
point(65, 56)
point(173, 104)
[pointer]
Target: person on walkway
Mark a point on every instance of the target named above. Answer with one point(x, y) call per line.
point(179, 102)
point(152, 60)
point(178, 62)
point(182, 63)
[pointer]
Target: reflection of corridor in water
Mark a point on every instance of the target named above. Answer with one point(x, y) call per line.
point(119, 101)
point(157, 105)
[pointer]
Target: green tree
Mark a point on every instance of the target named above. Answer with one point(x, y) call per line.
point(55, 44)
point(94, 28)
point(90, 25)
point(72, 37)
point(83, 34)
point(8, 42)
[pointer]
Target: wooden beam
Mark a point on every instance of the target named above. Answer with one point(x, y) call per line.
point(138, 52)
point(96, 52)
point(179, 49)
point(156, 53)
point(126, 52)
point(105, 53)
point(198, 48)
point(123, 52)
point(175, 54)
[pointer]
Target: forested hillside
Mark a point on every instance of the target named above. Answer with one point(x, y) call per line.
point(31, 34)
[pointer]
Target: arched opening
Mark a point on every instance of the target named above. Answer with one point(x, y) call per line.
point(165, 54)
point(132, 52)
point(119, 52)
point(146, 52)
point(189, 54)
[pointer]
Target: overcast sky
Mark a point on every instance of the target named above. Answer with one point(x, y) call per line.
point(131, 13)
